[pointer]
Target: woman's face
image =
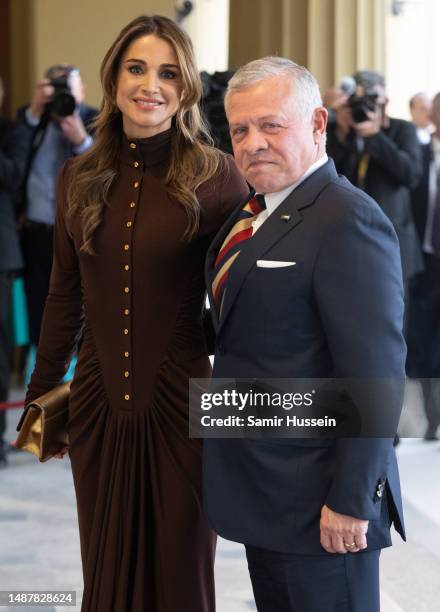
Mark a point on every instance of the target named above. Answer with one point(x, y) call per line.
point(149, 87)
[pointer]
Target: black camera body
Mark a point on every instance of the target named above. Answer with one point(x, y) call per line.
point(361, 103)
point(63, 103)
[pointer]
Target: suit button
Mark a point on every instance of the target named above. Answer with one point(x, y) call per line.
point(221, 349)
point(380, 487)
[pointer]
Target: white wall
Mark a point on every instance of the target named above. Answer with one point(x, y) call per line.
point(208, 26)
point(412, 53)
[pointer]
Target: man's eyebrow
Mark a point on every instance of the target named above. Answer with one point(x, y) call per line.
point(144, 63)
point(270, 118)
point(264, 118)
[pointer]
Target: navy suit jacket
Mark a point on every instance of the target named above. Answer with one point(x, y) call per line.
point(337, 313)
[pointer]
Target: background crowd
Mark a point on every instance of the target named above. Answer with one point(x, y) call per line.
point(395, 161)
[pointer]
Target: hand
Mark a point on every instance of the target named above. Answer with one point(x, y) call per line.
point(43, 93)
point(62, 452)
point(340, 530)
point(59, 455)
point(73, 129)
point(370, 127)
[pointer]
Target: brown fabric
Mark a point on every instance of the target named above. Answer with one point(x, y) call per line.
point(145, 542)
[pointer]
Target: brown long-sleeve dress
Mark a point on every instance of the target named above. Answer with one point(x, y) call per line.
point(145, 542)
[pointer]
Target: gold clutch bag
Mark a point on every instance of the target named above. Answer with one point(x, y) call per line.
point(43, 423)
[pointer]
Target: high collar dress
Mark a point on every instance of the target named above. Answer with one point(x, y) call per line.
point(136, 307)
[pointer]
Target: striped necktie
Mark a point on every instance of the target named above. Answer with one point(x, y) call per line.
point(232, 245)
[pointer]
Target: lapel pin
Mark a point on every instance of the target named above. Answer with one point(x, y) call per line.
point(285, 218)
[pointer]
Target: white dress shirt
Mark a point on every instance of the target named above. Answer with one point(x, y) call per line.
point(273, 200)
point(424, 135)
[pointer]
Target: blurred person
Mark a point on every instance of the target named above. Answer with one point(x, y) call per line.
point(424, 320)
point(304, 282)
point(420, 106)
point(13, 146)
point(59, 123)
point(213, 108)
point(135, 216)
point(382, 156)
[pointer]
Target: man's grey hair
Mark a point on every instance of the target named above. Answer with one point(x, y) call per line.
point(369, 79)
point(306, 88)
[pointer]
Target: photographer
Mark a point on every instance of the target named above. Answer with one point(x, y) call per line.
point(59, 122)
point(381, 155)
point(13, 146)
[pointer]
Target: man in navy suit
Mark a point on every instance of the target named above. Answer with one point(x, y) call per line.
point(424, 328)
point(309, 286)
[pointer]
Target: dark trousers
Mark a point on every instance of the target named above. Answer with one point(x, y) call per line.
point(431, 398)
point(5, 344)
point(314, 583)
point(424, 336)
point(38, 254)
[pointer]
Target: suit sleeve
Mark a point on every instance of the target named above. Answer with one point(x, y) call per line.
point(399, 157)
point(63, 313)
point(358, 288)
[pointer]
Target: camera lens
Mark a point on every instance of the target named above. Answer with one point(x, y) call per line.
point(63, 104)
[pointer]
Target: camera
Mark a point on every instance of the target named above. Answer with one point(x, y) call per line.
point(63, 102)
point(361, 102)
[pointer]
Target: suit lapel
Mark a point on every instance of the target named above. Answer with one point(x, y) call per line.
point(283, 220)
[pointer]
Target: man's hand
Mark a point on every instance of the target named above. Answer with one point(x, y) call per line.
point(343, 119)
point(73, 129)
point(339, 532)
point(43, 93)
point(370, 127)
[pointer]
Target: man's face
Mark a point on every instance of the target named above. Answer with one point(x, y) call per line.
point(421, 111)
point(273, 143)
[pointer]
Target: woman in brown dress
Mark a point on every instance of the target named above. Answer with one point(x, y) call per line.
point(135, 216)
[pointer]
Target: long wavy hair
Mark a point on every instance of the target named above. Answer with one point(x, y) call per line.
point(194, 159)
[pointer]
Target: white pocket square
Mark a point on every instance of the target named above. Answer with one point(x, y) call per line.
point(267, 263)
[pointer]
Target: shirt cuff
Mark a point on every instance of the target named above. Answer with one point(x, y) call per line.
point(30, 119)
point(86, 144)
